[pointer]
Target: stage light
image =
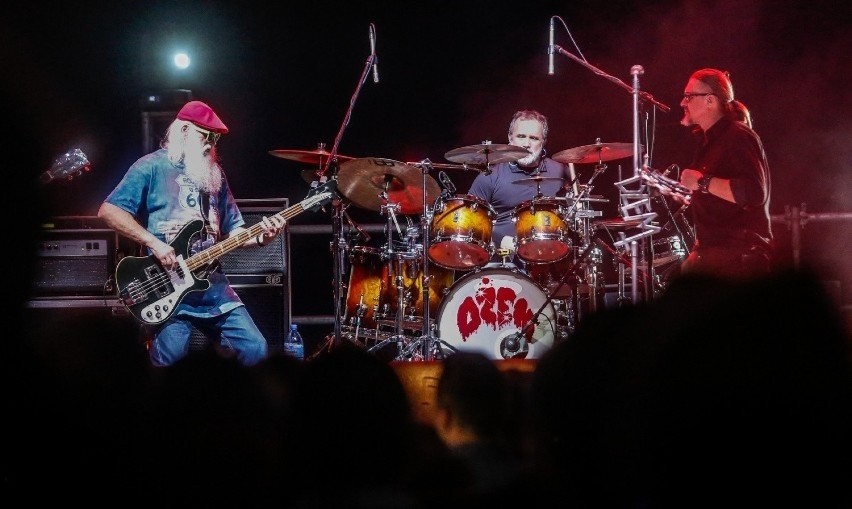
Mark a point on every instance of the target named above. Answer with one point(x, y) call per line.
point(181, 60)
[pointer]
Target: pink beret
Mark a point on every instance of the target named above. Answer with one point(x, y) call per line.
point(203, 116)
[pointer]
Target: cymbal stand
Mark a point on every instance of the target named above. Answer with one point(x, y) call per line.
point(339, 248)
point(430, 345)
point(397, 337)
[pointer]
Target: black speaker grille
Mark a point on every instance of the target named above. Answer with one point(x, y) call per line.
point(269, 309)
point(259, 260)
point(73, 276)
point(74, 262)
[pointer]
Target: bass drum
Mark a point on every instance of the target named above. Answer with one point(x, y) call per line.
point(486, 309)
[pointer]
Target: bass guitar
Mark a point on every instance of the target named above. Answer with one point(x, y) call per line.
point(151, 292)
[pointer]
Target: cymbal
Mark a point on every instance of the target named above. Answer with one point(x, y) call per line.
point(363, 180)
point(595, 153)
point(532, 181)
point(616, 223)
point(486, 153)
point(319, 156)
point(594, 198)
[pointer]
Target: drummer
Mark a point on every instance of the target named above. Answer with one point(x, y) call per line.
point(501, 187)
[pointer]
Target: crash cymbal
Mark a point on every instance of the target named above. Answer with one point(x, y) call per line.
point(319, 156)
point(591, 154)
point(534, 181)
point(486, 153)
point(616, 223)
point(364, 180)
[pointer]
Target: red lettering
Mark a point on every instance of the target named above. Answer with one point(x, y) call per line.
point(467, 318)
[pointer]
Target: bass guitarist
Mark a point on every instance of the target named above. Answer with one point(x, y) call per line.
point(183, 183)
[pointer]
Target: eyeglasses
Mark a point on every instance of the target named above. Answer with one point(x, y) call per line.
point(209, 136)
point(689, 95)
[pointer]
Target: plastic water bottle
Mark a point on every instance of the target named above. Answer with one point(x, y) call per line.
point(294, 346)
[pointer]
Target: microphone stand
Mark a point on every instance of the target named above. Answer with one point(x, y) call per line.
point(337, 214)
point(635, 71)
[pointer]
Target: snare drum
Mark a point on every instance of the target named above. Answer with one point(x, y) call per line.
point(461, 233)
point(542, 232)
point(485, 309)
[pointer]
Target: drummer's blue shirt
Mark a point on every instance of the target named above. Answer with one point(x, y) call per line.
point(498, 190)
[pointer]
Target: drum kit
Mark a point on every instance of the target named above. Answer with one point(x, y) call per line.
point(433, 288)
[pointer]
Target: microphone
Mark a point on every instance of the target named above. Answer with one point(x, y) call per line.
point(373, 53)
point(550, 50)
point(446, 182)
point(513, 342)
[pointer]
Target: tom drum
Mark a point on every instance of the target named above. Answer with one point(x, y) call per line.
point(542, 231)
point(461, 233)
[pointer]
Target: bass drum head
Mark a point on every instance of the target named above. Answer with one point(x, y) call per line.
point(485, 310)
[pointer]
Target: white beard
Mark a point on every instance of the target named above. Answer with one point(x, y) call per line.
point(529, 160)
point(201, 166)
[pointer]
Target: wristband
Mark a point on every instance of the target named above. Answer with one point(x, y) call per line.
point(704, 184)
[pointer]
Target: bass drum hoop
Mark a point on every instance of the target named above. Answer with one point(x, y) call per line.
point(517, 296)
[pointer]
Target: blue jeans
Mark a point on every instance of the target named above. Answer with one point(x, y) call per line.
point(235, 331)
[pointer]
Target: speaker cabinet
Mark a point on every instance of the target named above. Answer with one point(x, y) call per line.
point(74, 262)
point(260, 276)
point(268, 259)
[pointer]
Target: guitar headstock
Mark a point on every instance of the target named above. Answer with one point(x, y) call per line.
point(320, 195)
point(67, 166)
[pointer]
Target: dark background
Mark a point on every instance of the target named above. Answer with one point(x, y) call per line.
point(283, 76)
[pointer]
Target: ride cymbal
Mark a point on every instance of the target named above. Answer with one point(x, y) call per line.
point(596, 153)
point(486, 153)
point(363, 181)
point(319, 156)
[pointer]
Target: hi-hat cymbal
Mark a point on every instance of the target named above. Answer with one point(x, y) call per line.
point(596, 153)
point(364, 180)
point(534, 181)
point(486, 153)
point(319, 156)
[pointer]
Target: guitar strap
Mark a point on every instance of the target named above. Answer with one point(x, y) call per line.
point(207, 231)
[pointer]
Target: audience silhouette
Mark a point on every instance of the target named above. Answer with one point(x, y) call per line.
point(716, 393)
point(472, 416)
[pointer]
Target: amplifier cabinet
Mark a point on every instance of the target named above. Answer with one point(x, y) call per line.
point(74, 262)
point(260, 276)
point(267, 299)
point(273, 257)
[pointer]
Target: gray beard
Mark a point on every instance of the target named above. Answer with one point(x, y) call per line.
point(202, 169)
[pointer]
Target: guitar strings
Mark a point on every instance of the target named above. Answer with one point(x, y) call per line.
point(135, 290)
